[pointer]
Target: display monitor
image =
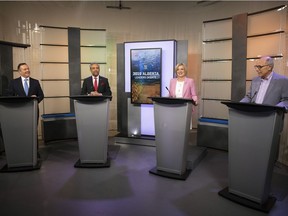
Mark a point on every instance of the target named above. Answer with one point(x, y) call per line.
point(146, 65)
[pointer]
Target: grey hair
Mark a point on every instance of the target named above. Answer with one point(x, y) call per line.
point(268, 60)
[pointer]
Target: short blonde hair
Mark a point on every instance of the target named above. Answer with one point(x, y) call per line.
point(181, 64)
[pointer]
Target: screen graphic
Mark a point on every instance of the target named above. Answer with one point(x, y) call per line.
point(145, 75)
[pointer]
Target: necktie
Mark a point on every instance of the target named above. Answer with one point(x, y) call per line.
point(95, 84)
point(26, 88)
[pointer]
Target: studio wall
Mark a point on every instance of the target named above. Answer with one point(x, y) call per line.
point(146, 21)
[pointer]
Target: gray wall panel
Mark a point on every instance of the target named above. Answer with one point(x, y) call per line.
point(239, 55)
point(182, 52)
point(121, 95)
point(6, 67)
point(74, 63)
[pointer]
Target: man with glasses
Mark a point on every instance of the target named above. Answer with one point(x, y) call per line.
point(269, 87)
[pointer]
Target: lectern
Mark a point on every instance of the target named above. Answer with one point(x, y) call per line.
point(172, 117)
point(18, 119)
point(253, 140)
point(92, 118)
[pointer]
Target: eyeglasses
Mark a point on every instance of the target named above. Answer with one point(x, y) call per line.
point(259, 66)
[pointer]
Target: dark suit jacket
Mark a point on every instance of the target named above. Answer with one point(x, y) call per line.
point(103, 86)
point(277, 92)
point(16, 88)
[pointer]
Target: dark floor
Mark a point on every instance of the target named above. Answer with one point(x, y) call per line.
point(126, 188)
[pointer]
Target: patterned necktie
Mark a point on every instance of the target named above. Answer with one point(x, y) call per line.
point(26, 88)
point(95, 84)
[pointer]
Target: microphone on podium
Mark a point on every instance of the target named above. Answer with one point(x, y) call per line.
point(168, 91)
point(255, 93)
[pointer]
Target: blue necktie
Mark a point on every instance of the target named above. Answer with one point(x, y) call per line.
point(26, 88)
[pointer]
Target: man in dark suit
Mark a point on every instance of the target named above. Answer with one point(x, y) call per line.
point(25, 86)
point(18, 86)
point(268, 87)
point(96, 85)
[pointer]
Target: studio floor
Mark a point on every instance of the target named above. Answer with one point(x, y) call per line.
point(126, 188)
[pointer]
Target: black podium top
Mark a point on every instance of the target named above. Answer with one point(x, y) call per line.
point(90, 98)
point(169, 100)
point(253, 107)
point(16, 99)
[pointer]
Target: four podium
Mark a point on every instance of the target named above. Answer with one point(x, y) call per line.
point(254, 135)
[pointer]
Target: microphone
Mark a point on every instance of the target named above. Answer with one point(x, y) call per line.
point(255, 93)
point(168, 91)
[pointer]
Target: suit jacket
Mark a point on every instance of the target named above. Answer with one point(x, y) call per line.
point(277, 92)
point(103, 86)
point(16, 88)
point(189, 91)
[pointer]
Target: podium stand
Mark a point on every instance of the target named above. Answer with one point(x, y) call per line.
point(172, 118)
point(18, 119)
point(253, 140)
point(92, 118)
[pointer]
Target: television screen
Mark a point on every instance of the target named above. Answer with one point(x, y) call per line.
point(145, 74)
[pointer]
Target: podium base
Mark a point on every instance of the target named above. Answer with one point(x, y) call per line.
point(5, 168)
point(184, 176)
point(78, 164)
point(266, 207)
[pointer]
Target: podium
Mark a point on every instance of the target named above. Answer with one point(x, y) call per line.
point(18, 119)
point(92, 121)
point(253, 142)
point(172, 117)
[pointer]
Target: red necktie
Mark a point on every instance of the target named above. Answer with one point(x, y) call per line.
point(95, 84)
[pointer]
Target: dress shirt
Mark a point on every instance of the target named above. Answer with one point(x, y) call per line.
point(263, 88)
point(23, 82)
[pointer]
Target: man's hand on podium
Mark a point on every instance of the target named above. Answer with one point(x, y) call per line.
point(95, 93)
